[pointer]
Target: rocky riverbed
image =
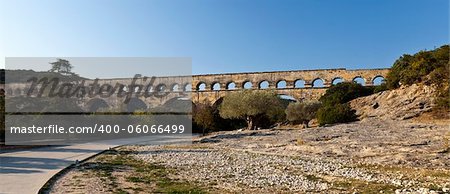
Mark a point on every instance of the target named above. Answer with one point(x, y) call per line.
point(368, 156)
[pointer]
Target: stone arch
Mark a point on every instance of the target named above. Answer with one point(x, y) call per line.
point(187, 87)
point(281, 84)
point(337, 80)
point(378, 80)
point(149, 88)
point(148, 91)
point(125, 88)
point(178, 104)
point(299, 83)
point(95, 104)
point(136, 104)
point(215, 86)
point(201, 86)
point(288, 98)
point(231, 86)
point(217, 103)
point(264, 84)
point(318, 83)
point(161, 88)
point(175, 87)
point(247, 85)
point(137, 88)
point(359, 80)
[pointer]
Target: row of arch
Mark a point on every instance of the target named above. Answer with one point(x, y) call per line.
point(281, 84)
point(159, 88)
point(215, 86)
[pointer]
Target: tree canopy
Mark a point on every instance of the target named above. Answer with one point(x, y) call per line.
point(429, 67)
point(410, 69)
point(251, 105)
point(61, 66)
point(302, 112)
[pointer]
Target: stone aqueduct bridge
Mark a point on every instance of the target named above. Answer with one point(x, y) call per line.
point(208, 88)
point(299, 84)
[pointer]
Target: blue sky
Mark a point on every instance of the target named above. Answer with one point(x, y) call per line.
point(228, 35)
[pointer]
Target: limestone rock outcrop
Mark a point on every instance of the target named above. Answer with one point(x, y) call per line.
point(399, 104)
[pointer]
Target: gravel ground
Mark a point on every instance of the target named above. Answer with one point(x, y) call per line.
point(369, 156)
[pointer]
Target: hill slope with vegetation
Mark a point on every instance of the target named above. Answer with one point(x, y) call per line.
point(417, 83)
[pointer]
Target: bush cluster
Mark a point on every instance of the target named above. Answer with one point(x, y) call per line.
point(410, 69)
point(338, 113)
point(335, 107)
point(302, 112)
point(429, 67)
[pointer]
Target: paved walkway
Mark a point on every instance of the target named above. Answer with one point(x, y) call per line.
point(24, 172)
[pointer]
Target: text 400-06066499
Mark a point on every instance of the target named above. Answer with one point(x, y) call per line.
point(144, 129)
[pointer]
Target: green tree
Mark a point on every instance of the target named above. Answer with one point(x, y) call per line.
point(302, 112)
point(252, 105)
point(62, 66)
point(203, 116)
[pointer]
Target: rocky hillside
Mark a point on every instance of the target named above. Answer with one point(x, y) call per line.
point(399, 104)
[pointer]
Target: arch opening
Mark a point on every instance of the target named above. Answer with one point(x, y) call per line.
point(318, 83)
point(201, 86)
point(247, 85)
point(299, 83)
point(287, 98)
point(149, 89)
point(216, 86)
point(337, 80)
point(359, 80)
point(96, 104)
point(175, 88)
point(264, 84)
point(378, 80)
point(178, 104)
point(188, 87)
point(281, 84)
point(231, 86)
point(136, 104)
point(161, 88)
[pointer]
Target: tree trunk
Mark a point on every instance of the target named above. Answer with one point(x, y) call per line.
point(250, 123)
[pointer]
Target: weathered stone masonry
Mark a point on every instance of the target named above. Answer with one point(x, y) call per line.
point(208, 88)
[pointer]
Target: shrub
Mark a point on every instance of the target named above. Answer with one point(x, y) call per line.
point(335, 113)
point(254, 106)
point(344, 92)
point(302, 112)
point(335, 108)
